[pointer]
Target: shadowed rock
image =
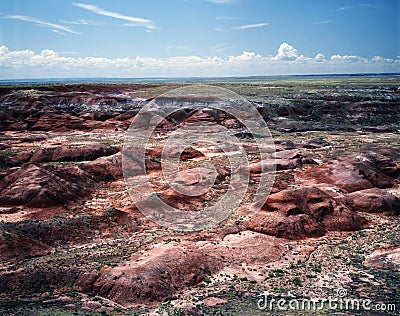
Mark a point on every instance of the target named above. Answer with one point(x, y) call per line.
point(173, 152)
point(156, 274)
point(41, 186)
point(303, 212)
point(380, 170)
point(13, 247)
point(6, 162)
point(105, 168)
point(375, 201)
point(341, 173)
point(72, 153)
point(153, 276)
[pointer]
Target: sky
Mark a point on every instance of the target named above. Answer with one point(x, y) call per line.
point(192, 38)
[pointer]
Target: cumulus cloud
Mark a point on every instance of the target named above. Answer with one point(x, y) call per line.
point(286, 52)
point(133, 21)
point(48, 63)
point(244, 57)
point(319, 58)
point(250, 26)
point(55, 27)
point(348, 59)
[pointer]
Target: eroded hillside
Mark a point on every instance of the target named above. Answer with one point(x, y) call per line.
point(71, 239)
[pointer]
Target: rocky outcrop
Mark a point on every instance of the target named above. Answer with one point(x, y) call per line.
point(40, 186)
point(14, 247)
point(341, 173)
point(380, 170)
point(301, 213)
point(167, 268)
point(174, 152)
point(105, 168)
point(64, 108)
point(384, 258)
point(72, 153)
point(104, 246)
point(156, 275)
point(375, 200)
point(6, 162)
point(102, 106)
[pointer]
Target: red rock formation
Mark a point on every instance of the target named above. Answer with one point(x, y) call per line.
point(341, 173)
point(13, 247)
point(41, 186)
point(105, 168)
point(303, 212)
point(380, 170)
point(152, 276)
point(375, 201)
point(173, 152)
point(72, 153)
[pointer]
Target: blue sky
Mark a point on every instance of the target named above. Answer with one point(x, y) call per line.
point(122, 38)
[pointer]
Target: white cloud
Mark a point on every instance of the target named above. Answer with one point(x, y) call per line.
point(323, 22)
point(224, 17)
point(348, 59)
point(319, 58)
point(149, 27)
point(134, 21)
point(82, 22)
point(58, 32)
point(380, 59)
point(4, 50)
point(221, 1)
point(250, 26)
point(55, 27)
point(68, 53)
point(48, 63)
point(244, 57)
point(286, 52)
point(357, 6)
point(222, 47)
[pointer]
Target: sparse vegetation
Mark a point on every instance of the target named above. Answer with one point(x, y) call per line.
point(104, 232)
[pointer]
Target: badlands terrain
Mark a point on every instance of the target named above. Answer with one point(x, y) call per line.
point(73, 242)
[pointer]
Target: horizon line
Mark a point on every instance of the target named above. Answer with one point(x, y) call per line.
point(181, 78)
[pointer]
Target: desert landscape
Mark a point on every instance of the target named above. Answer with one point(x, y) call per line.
point(73, 241)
